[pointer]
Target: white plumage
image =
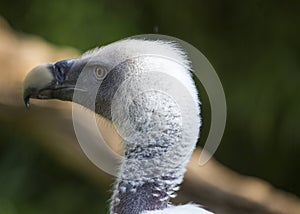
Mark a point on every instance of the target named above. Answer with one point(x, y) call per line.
point(181, 209)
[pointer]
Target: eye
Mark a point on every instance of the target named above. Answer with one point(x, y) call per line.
point(100, 73)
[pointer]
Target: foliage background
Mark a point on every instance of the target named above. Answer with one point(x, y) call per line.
point(254, 46)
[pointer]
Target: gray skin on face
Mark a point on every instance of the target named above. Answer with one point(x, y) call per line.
point(62, 78)
point(62, 82)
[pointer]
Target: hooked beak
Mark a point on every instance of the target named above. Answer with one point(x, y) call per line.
point(49, 81)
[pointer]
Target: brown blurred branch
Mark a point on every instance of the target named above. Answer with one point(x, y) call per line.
point(229, 192)
point(213, 185)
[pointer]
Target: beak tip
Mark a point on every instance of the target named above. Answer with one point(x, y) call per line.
point(27, 102)
point(36, 79)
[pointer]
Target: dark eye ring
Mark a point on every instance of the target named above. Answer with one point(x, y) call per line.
point(100, 73)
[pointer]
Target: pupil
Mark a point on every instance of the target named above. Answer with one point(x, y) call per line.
point(100, 73)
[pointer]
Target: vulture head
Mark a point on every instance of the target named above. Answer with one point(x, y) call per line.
point(145, 89)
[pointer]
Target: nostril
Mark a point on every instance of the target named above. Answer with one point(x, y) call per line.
point(61, 68)
point(59, 74)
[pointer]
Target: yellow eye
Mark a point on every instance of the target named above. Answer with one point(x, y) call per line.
point(100, 73)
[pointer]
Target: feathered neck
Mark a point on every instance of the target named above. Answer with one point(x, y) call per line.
point(155, 109)
point(145, 191)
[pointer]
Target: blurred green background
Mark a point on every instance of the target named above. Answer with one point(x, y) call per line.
point(254, 46)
